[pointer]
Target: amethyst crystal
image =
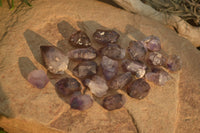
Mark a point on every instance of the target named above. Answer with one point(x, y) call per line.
point(109, 67)
point(136, 67)
point(85, 69)
point(83, 53)
point(114, 102)
point(157, 76)
point(80, 39)
point(121, 81)
point(152, 43)
point(105, 36)
point(38, 78)
point(173, 63)
point(156, 59)
point(56, 61)
point(138, 89)
point(81, 102)
point(113, 51)
point(136, 50)
point(97, 86)
point(67, 86)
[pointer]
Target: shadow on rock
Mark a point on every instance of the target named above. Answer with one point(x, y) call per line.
point(34, 42)
point(5, 109)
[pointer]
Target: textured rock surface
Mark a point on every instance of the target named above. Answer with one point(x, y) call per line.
point(177, 102)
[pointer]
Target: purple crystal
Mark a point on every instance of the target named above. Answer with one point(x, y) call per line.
point(110, 67)
point(38, 78)
point(152, 43)
point(105, 36)
point(138, 89)
point(173, 63)
point(136, 67)
point(83, 53)
point(136, 50)
point(114, 102)
point(67, 86)
point(97, 86)
point(81, 102)
point(121, 81)
point(85, 69)
point(156, 59)
point(56, 61)
point(113, 51)
point(157, 76)
point(80, 39)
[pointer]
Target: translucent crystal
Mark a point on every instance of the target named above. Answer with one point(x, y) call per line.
point(156, 58)
point(38, 78)
point(55, 59)
point(81, 102)
point(113, 102)
point(82, 53)
point(121, 81)
point(136, 50)
point(157, 76)
point(173, 63)
point(85, 69)
point(110, 67)
point(113, 51)
point(67, 86)
point(136, 67)
point(152, 43)
point(105, 36)
point(97, 86)
point(138, 89)
point(80, 39)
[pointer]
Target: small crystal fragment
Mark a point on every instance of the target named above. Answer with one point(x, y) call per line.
point(110, 67)
point(152, 43)
point(105, 36)
point(80, 39)
point(67, 86)
point(138, 89)
point(113, 51)
point(81, 102)
point(136, 50)
point(157, 76)
point(83, 53)
point(156, 59)
point(55, 59)
point(121, 81)
point(113, 102)
point(173, 63)
point(38, 78)
point(85, 69)
point(97, 86)
point(136, 67)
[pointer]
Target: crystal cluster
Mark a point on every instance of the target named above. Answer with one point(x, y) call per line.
point(145, 61)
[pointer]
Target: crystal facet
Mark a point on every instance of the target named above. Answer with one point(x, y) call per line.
point(85, 69)
point(156, 59)
point(113, 51)
point(138, 89)
point(81, 102)
point(67, 86)
point(157, 76)
point(105, 36)
point(38, 78)
point(113, 102)
point(55, 59)
point(110, 67)
point(97, 86)
point(83, 53)
point(173, 63)
point(80, 39)
point(136, 67)
point(121, 81)
point(152, 43)
point(136, 50)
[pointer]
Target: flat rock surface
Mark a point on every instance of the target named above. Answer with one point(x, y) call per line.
point(170, 108)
